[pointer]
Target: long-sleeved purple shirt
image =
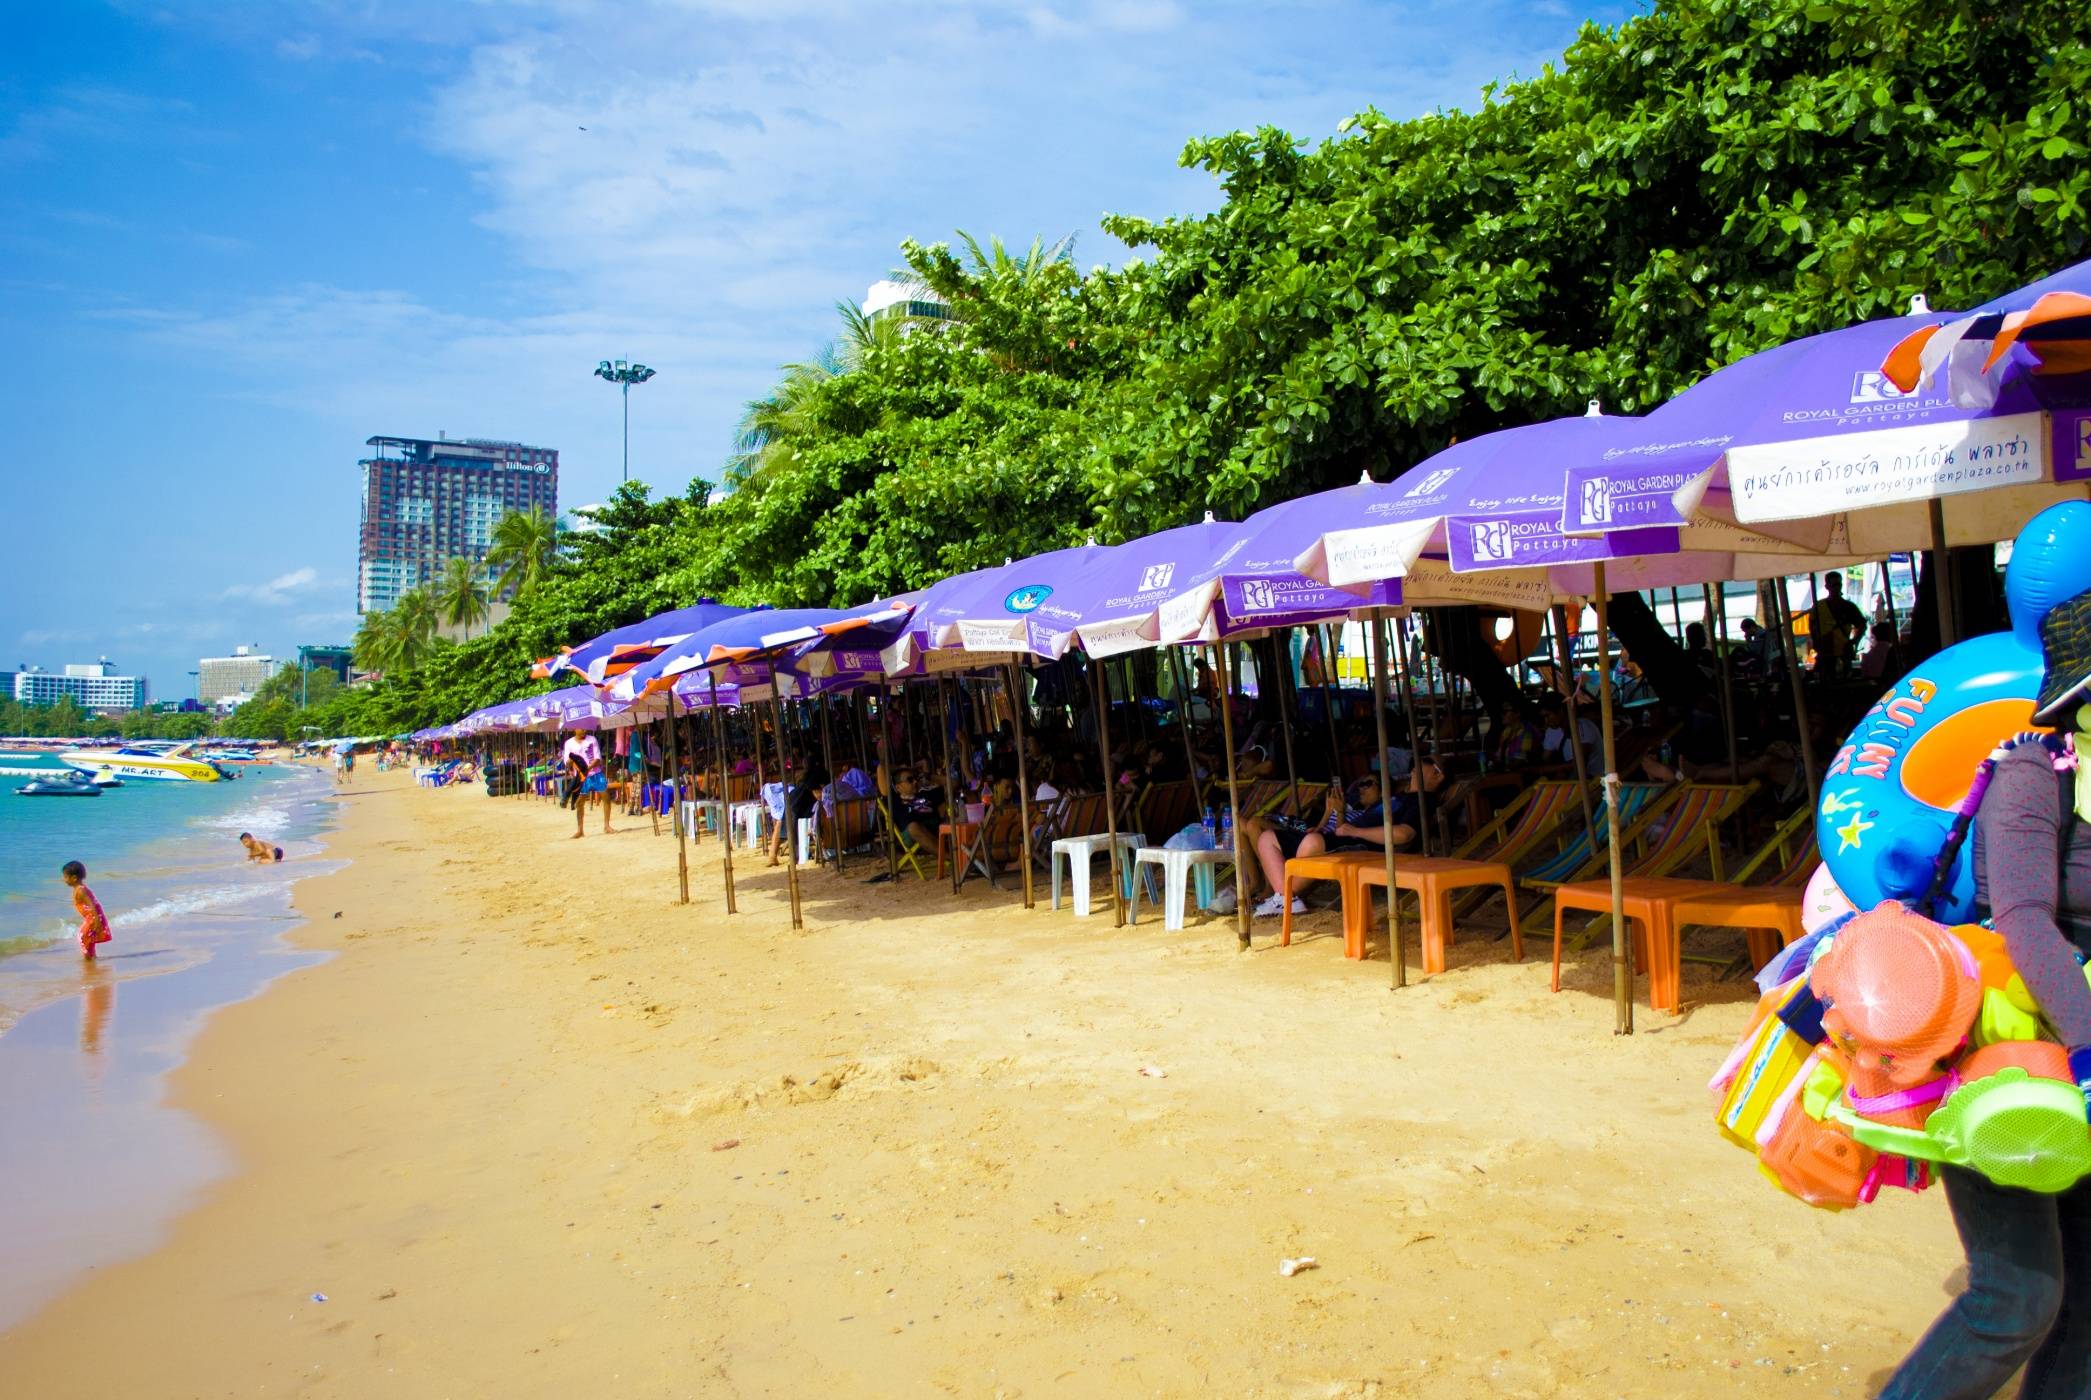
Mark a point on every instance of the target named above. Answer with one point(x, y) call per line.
point(2036, 883)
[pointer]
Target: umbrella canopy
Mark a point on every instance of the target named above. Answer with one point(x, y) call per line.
point(742, 637)
point(603, 658)
point(1202, 582)
point(989, 610)
point(2049, 321)
point(1482, 522)
point(1811, 443)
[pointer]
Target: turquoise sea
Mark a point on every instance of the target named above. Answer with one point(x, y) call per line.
point(96, 1163)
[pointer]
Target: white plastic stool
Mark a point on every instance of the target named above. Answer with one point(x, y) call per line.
point(710, 812)
point(750, 819)
point(807, 827)
point(1176, 869)
point(1080, 853)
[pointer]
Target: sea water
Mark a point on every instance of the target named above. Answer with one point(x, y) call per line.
point(94, 1162)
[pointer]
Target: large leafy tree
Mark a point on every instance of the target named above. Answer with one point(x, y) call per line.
point(461, 594)
point(1705, 180)
point(523, 548)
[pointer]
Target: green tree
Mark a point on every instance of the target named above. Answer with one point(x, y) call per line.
point(461, 594)
point(525, 547)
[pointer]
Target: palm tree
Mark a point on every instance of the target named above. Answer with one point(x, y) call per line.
point(375, 647)
point(414, 626)
point(461, 594)
point(525, 545)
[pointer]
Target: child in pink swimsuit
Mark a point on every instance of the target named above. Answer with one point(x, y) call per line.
point(94, 924)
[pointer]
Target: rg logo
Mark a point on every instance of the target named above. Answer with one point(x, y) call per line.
point(1492, 541)
point(1431, 481)
point(1157, 576)
point(1597, 500)
point(1257, 596)
point(1871, 386)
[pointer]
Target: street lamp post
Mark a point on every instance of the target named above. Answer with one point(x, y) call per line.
point(624, 375)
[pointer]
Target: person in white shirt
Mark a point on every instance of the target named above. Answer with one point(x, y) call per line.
point(583, 759)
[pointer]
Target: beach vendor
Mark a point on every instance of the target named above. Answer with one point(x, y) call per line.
point(583, 759)
point(2028, 1297)
point(94, 924)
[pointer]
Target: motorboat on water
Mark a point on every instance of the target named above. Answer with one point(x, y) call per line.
point(150, 761)
point(16, 764)
point(73, 784)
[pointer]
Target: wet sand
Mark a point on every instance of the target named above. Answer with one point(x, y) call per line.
point(537, 1130)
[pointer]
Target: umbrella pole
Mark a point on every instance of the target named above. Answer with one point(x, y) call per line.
point(827, 753)
point(1800, 698)
point(1241, 865)
point(1622, 971)
point(886, 793)
point(1023, 778)
point(1408, 712)
point(1575, 722)
point(1281, 651)
point(682, 850)
point(1183, 724)
point(1942, 590)
point(1386, 802)
point(719, 733)
point(1717, 595)
point(791, 834)
point(1103, 750)
point(954, 796)
point(1329, 696)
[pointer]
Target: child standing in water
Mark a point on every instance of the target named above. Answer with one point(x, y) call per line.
point(94, 924)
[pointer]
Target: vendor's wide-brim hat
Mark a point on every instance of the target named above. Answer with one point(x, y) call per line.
point(1902, 993)
point(2065, 644)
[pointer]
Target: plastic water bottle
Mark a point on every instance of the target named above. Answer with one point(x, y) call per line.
point(1226, 829)
point(1212, 842)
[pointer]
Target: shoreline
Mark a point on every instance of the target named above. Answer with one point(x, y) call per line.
point(536, 1129)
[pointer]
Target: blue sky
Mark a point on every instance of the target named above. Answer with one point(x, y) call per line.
point(237, 238)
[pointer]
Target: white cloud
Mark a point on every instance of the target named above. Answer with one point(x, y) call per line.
point(279, 590)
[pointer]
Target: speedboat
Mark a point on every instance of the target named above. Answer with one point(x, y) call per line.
point(33, 765)
point(76, 785)
point(156, 762)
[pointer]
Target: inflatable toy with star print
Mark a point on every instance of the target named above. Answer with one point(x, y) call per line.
point(1889, 795)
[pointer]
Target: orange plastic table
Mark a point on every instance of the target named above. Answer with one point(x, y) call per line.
point(1434, 880)
point(1342, 867)
point(1770, 918)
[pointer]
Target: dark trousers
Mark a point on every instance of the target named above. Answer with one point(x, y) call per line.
point(2028, 1301)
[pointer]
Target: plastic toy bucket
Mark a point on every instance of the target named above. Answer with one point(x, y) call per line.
point(1901, 993)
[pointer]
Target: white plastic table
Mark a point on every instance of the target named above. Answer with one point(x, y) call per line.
point(1080, 853)
point(710, 811)
point(750, 819)
point(1177, 867)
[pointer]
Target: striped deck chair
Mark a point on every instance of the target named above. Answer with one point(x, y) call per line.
point(1260, 798)
point(1519, 828)
point(1671, 830)
point(998, 837)
point(907, 854)
point(853, 825)
point(1165, 809)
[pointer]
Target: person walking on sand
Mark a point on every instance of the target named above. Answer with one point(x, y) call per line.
point(94, 924)
point(583, 757)
point(2027, 1303)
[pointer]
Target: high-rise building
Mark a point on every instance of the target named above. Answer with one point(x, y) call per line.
point(94, 686)
point(232, 677)
point(425, 502)
point(900, 301)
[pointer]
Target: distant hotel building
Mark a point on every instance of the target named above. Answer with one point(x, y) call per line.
point(232, 677)
point(897, 301)
point(425, 502)
point(94, 686)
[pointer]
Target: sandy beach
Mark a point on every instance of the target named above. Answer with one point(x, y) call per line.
point(535, 1129)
